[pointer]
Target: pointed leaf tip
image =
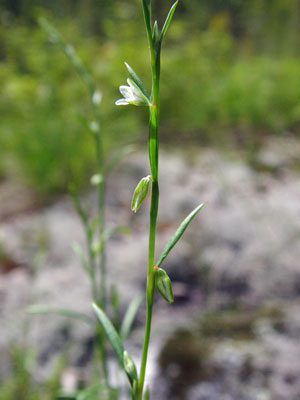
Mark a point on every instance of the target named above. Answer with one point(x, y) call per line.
point(168, 20)
point(177, 235)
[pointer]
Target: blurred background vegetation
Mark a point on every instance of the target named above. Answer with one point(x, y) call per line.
point(230, 78)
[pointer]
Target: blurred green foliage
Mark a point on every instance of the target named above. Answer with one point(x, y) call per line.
point(20, 384)
point(239, 78)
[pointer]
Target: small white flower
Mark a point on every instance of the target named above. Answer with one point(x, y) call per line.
point(132, 94)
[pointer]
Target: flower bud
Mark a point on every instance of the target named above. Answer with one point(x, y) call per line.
point(140, 193)
point(163, 284)
point(130, 368)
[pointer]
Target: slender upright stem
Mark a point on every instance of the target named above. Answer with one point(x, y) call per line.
point(92, 265)
point(101, 291)
point(153, 158)
point(101, 216)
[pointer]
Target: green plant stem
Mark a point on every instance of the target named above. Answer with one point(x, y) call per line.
point(150, 283)
point(101, 216)
point(153, 158)
point(91, 259)
point(101, 294)
point(101, 344)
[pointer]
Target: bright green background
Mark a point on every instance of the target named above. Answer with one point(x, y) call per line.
point(230, 76)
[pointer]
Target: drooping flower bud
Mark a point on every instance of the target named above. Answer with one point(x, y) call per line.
point(163, 284)
point(130, 368)
point(140, 193)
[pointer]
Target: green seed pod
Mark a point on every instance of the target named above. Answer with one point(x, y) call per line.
point(163, 284)
point(130, 368)
point(140, 193)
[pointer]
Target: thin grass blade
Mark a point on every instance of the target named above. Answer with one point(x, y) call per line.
point(177, 235)
point(42, 309)
point(147, 16)
point(111, 333)
point(130, 316)
point(168, 20)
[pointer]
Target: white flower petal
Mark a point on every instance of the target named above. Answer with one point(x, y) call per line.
point(121, 102)
point(132, 95)
point(125, 91)
point(134, 89)
point(130, 83)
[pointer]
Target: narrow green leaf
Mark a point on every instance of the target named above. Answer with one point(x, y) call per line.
point(111, 333)
point(130, 316)
point(42, 309)
point(163, 284)
point(147, 16)
point(135, 78)
point(177, 235)
point(140, 193)
point(79, 253)
point(168, 20)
